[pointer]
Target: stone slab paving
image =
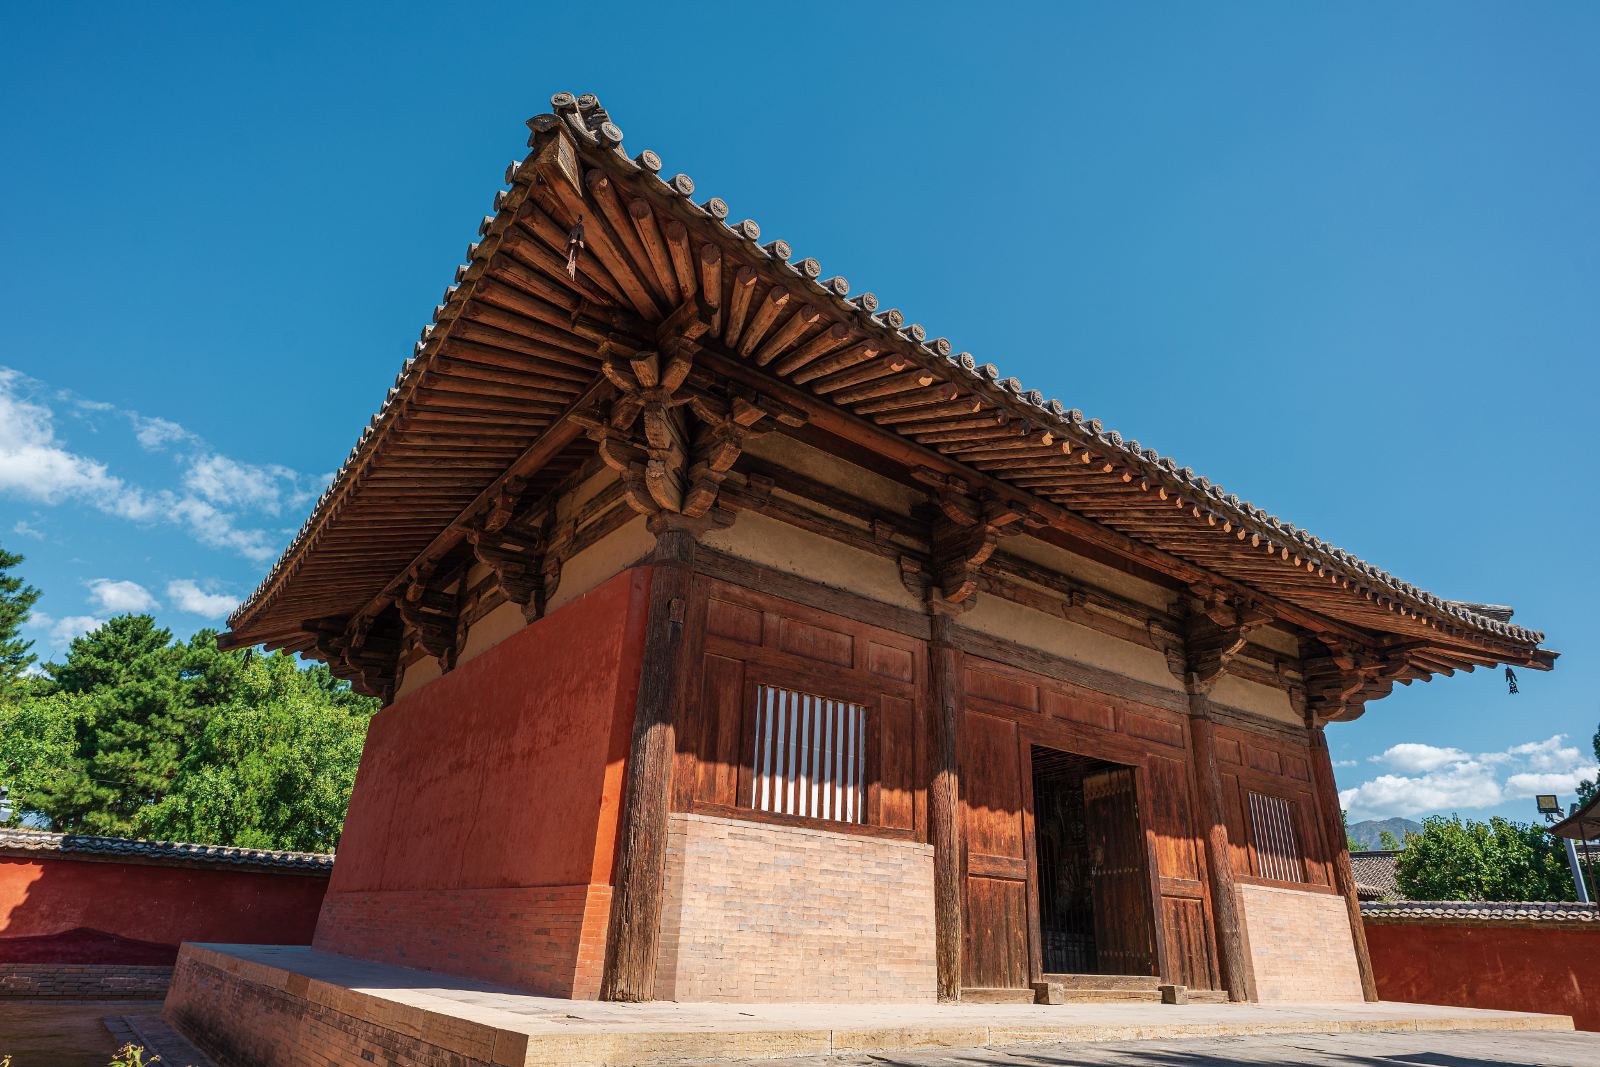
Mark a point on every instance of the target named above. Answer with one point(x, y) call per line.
point(1448, 1048)
point(447, 1012)
point(58, 1032)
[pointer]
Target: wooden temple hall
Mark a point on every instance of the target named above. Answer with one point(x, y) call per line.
point(741, 640)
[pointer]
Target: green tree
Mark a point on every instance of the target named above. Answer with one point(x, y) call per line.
point(37, 739)
point(16, 601)
point(273, 768)
point(1463, 859)
point(143, 736)
point(1387, 841)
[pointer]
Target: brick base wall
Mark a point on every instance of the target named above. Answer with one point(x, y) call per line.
point(1300, 945)
point(83, 981)
point(549, 940)
point(755, 912)
point(246, 1015)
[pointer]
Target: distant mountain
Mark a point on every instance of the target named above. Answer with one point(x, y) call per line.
point(1366, 833)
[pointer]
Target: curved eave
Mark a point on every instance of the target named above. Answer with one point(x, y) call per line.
point(513, 345)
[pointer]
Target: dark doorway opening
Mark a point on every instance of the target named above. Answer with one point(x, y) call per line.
point(1095, 912)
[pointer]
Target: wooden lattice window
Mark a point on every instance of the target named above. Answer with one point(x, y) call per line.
point(810, 755)
point(1277, 847)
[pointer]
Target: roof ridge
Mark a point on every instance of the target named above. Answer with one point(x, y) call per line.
point(585, 118)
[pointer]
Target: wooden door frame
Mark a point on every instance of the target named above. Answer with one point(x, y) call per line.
point(1027, 739)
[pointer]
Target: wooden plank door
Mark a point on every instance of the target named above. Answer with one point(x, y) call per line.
point(995, 954)
point(1124, 929)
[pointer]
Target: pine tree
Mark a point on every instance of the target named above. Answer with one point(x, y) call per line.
point(16, 601)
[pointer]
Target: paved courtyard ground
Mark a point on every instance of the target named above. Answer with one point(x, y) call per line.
point(71, 1034)
point(62, 1033)
point(1475, 1048)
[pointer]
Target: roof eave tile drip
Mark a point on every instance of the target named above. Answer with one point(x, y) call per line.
point(1478, 912)
point(25, 842)
point(601, 141)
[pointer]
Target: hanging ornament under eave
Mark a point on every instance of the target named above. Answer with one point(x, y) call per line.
point(574, 243)
point(1511, 679)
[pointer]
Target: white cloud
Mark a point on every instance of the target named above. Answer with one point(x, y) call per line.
point(62, 631)
point(26, 529)
point(36, 465)
point(214, 527)
point(1448, 779)
point(1466, 785)
point(187, 596)
point(119, 597)
point(154, 434)
point(1548, 755)
point(1527, 785)
point(1346, 763)
point(1416, 757)
point(225, 481)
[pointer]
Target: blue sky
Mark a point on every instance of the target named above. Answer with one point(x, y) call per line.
point(1340, 258)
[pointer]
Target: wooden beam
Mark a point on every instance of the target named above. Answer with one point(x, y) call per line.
point(843, 424)
point(546, 447)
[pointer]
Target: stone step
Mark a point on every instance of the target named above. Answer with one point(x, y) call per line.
point(1052, 992)
point(1105, 981)
point(997, 996)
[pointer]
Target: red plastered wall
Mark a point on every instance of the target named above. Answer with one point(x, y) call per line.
point(1513, 968)
point(503, 775)
point(59, 910)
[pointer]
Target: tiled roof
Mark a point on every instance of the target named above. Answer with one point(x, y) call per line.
point(599, 142)
point(1374, 870)
point(1479, 911)
point(13, 841)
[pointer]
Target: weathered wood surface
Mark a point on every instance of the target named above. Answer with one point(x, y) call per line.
point(1232, 959)
point(944, 806)
point(634, 935)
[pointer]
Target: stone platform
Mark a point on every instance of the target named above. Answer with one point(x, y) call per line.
point(254, 1005)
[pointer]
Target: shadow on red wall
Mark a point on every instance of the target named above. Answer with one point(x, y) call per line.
point(1542, 968)
point(56, 909)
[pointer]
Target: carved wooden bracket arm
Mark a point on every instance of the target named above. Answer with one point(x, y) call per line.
point(358, 652)
point(1216, 630)
point(967, 527)
point(1340, 681)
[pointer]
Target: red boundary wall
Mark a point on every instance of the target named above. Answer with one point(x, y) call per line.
point(59, 909)
point(482, 830)
point(1543, 967)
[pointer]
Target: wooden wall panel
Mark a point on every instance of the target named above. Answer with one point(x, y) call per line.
point(996, 946)
point(748, 638)
point(1168, 815)
point(1276, 764)
point(898, 763)
point(991, 786)
point(996, 950)
point(722, 691)
point(1183, 923)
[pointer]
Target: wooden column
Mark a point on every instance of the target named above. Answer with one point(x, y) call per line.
point(634, 936)
point(1231, 957)
point(944, 804)
point(1343, 876)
